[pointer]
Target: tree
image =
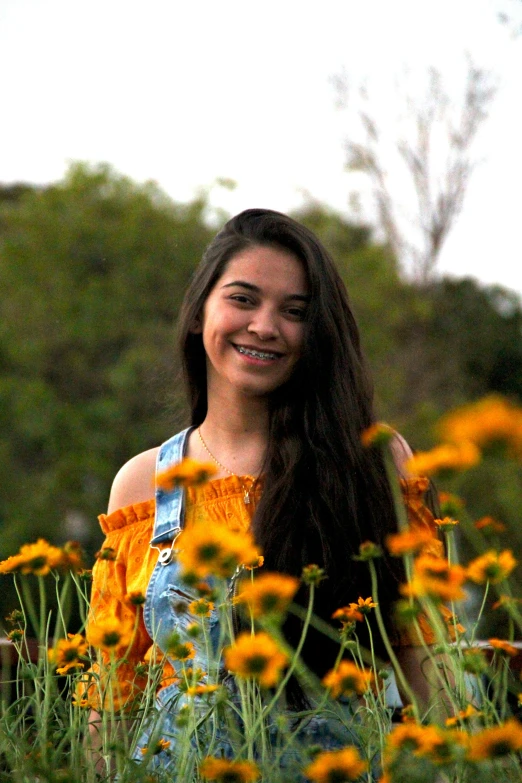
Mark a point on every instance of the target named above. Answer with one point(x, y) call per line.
point(92, 271)
point(432, 161)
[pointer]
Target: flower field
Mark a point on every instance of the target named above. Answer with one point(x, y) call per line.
point(69, 714)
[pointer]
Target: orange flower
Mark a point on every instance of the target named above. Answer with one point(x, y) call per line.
point(256, 656)
point(497, 741)
point(353, 612)
point(179, 650)
point(187, 473)
point(347, 679)
point(201, 690)
point(66, 653)
point(201, 607)
point(269, 593)
point(421, 740)
point(368, 550)
point(488, 524)
point(491, 567)
point(224, 771)
point(110, 634)
point(378, 434)
point(135, 598)
point(463, 717)
point(436, 578)
point(409, 542)
point(38, 558)
point(503, 646)
point(450, 505)
point(447, 523)
point(447, 458)
point(257, 563)
point(160, 746)
point(490, 421)
point(205, 550)
point(336, 766)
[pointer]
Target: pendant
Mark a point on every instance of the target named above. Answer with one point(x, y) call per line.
point(246, 497)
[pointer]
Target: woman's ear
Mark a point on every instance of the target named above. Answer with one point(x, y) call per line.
point(197, 326)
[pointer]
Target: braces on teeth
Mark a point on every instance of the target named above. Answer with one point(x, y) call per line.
point(257, 354)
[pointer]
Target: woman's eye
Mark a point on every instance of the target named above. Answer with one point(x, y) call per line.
point(241, 298)
point(297, 312)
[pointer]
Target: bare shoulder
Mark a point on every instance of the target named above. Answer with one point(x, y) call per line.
point(134, 482)
point(401, 453)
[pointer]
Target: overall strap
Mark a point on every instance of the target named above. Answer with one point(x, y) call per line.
point(169, 505)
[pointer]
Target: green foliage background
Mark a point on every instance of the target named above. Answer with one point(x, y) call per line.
point(92, 272)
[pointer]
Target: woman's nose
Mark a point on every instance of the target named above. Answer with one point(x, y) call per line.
point(264, 324)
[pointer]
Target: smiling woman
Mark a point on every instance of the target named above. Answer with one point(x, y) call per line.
point(279, 395)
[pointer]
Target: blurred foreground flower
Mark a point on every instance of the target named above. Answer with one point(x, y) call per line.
point(410, 542)
point(268, 594)
point(378, 434)
point(187, 473)
point(38, 558)
point(435, 578)
point(497, 741)
point(205, 550)
point(488, 423)
point(256, 656)
point(347, 679)
point(354, 612)
point(446, 459)
point(491, 567)
point(336, 766)
point(67, 653)
point(224, 771)
point(110, 634)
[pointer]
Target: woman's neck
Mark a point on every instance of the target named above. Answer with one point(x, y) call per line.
point(235, 434)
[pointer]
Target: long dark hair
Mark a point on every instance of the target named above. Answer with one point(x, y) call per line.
point(324, 494)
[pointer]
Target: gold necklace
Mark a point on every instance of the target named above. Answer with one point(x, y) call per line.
point(246, 490)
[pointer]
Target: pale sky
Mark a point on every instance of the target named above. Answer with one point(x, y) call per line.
point(184, 93)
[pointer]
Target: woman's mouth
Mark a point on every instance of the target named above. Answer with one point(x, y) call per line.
point(254, 354)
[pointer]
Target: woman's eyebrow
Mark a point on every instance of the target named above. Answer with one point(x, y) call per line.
point(257, 290)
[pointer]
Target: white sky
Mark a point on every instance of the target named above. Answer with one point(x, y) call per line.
point(185, 92)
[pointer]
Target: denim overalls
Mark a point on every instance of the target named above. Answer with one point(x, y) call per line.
point(165, 595)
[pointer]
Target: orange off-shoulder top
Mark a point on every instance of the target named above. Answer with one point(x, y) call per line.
point(128, 569)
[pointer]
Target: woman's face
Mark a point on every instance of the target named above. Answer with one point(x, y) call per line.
point(253, 322)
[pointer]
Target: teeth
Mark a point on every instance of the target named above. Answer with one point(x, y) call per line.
point(256, 354)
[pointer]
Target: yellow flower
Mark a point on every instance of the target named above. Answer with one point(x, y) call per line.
point(368, 551)
point(224, 771)
point(269, 593)
point(347, 679)
point(409, 542)
point(447, 457)
point(135, 598)
point(66, 653)
point(160, 746)
point(256, 656)
point(450, 505)
point(201, 607)
point(110, 634)
point(107, 553)
point(491, 567)
point(336, 766)
point(503, 646)
point(490, 525)
point(16, 635)
point(353, 612)
point(205, 550)
point(490, 421)
point(38, 558)
point(496, 741)
point(447, 523)
point(463, 717)
point(187, 473)
point(378, 434)
point(179, 650)
point(257, 563)
point(201, 690)
point(420, 740)
point(434, 577)
point(72, 556)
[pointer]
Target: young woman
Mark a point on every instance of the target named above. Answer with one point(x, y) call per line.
point(279, 395)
